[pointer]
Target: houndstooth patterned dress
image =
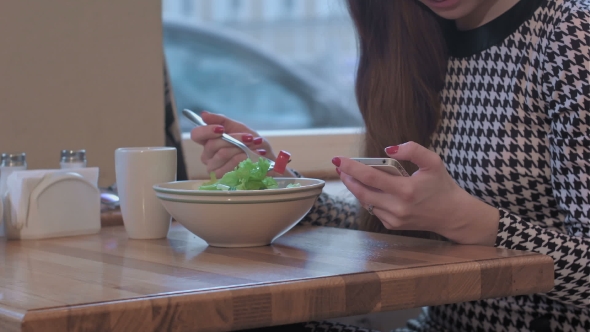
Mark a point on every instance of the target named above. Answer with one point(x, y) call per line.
point(515, 133)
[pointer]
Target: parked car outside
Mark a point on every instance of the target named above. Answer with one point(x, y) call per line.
point(214, 70)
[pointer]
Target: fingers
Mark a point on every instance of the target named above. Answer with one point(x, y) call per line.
point(231, 126)
point(223, 165)
point(398, 186)
point(367, 175)
point(226, 160)
point(415, 153)
point(219, 124)
point(212, 118)
point(362, 192)
point(391, 213)
point(212, 146)
point(203, 134)
point(384, 207)
point(218, 155)
point(221, 157)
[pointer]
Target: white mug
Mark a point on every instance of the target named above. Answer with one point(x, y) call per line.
point(137, 170)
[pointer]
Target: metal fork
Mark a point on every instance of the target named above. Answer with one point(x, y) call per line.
point(197, 120)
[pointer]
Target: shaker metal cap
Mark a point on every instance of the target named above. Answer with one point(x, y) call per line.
point(13, 159)
point(73, 155)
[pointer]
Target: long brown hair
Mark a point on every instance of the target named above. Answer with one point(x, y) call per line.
point(400, 74)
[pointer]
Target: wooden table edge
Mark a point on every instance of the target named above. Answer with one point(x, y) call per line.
point(11, 319)
point(387, 290)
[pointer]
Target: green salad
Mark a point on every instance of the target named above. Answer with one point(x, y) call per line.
point(247, 175)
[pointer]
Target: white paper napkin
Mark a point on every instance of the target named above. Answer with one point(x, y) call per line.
point(20, 184)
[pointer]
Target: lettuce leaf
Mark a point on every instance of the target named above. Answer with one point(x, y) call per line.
point(247, 175)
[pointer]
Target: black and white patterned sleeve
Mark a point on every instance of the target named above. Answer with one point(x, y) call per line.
point(331, 211)
point(567, 89)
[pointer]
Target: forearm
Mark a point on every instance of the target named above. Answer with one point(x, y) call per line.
point(570, 253)
point(476, 223)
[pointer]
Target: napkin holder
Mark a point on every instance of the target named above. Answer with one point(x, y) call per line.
point(52, 203)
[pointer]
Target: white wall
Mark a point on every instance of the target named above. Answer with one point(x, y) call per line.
point(80, 74)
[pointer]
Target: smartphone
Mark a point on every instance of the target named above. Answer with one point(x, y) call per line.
point(388, 165)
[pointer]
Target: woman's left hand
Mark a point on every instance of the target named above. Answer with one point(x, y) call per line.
point(428, 200)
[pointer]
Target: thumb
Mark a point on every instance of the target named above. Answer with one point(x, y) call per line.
point(415, 153)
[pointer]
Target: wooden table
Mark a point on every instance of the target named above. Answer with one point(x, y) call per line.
point(106, 282)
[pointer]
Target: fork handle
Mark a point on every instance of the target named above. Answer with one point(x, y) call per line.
point(194, 118)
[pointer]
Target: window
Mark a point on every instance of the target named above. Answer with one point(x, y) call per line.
point(283, 67)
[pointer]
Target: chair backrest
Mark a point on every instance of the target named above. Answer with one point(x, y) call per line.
point(172, 127)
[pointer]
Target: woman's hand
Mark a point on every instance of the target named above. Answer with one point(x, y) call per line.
point(429, 200)
point(221, 157)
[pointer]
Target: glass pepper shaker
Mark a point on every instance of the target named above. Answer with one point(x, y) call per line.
point(73, 159)
point(9, 163)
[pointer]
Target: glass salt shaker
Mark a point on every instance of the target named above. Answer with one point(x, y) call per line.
point(73, 159)
point(9, 163)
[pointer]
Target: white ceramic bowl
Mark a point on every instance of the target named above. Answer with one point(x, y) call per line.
point(241, 218)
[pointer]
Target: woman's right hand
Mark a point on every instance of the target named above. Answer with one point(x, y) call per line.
point(218, 155)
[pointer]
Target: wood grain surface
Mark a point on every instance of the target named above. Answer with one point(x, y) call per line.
point(111, 218)
point(106, 282)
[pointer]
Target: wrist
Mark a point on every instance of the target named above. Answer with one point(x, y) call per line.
point(477, 223)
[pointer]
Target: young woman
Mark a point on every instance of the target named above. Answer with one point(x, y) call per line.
point(488, 103)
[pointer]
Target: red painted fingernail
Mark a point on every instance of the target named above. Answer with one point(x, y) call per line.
point(258, 140)
point(218, 130)
point(391, 149)
point(261, 152)
point(338, 170)
point(336, 161)
point(247, 138)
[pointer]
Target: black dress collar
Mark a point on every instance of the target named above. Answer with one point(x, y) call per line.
point(470, 42)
